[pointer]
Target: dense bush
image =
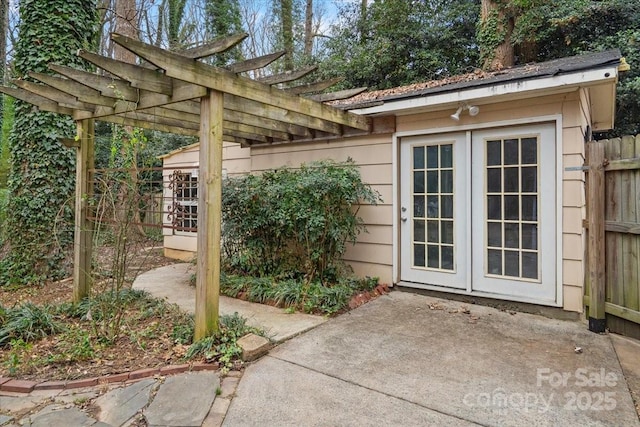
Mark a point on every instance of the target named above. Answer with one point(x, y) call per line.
point(293, 223)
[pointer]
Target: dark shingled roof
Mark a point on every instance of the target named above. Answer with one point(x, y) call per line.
point(480, 78)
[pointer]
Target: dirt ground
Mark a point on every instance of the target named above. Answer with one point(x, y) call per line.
point(145, 341)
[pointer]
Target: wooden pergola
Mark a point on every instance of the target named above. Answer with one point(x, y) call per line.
point(178, 93)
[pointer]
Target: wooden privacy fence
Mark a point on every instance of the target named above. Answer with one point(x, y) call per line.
point(613, 222)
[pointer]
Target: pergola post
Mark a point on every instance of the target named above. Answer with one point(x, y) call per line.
point(83, 231)
point(209, 214)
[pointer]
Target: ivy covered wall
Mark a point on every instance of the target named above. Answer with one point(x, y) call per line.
point(42, 177)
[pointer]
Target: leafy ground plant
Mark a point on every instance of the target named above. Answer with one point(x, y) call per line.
point(223, 347)
point(153, 333)
point(29, 322)
point(314, 297)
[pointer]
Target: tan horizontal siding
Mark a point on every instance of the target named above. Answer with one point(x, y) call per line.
point(362, 269)
point(320, 145)
point(378, 234)
point(376, 215)
point(369, 252)
point(362, 155)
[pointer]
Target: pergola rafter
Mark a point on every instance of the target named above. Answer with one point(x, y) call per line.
point(175, 92)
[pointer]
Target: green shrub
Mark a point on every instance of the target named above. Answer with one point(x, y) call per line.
point(293, 223)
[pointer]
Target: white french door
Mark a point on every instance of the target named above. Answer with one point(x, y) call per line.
point(514, 192)
point(432, 214)
point(494, 236)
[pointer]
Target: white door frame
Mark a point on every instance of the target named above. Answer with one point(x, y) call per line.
point(557, 119)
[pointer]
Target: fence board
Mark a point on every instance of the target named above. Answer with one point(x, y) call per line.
point(636, 238)
point(613, 242)
point(629, 291)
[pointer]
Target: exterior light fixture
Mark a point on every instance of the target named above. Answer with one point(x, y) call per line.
point(473, 111)
point(456, 116)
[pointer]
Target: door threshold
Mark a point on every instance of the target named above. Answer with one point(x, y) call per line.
point(546, 309)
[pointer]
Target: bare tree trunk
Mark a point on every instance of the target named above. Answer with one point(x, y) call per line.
point(308, 29)
point(161, 13)
point(362, 23)
point(502, 55)
point(126, 24)
point(286, 11)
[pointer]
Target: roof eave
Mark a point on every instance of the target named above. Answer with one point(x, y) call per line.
point(604, 78)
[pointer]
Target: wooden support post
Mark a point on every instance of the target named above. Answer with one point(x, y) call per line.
point(83, 231)
point(209, 215)
point(595, 203)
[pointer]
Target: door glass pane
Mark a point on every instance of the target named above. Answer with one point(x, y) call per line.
point(494, 207)
point(432, 232)
point(530, 208)
point(511, 235)
point(447, 258)
point(530, 265)
point(418, 157)
point(418, 206)
point(494, 153)
point(432, 206)
point(418, 182)
point(512, 263)
point(433, 256)
point(529, 151)
point(446, 156)
point(494, 234)
point(446, 183)
point(447, 206)
point(511, 180)
point(529, 179)
point(418, 255)
point(511, 152)
point(494, 180)
point(432, 156)
point(432, 181)
point(494, 261)
point(418, 230)
point(447, 232)
point(512, 207)
point(530, 236)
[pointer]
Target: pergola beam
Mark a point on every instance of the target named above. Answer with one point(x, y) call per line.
point(313, 87)
point(255, 63)
point(216, 46)
point(341, 94)
point(139, 77)
point(61, 98)
point(287, 76)
point(82, 92)
point(108, 86)
point(218, 79)
point(44, 104)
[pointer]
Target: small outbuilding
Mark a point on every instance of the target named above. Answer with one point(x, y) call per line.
point(480, 176)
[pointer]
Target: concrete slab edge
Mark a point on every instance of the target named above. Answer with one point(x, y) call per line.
point(15, 385)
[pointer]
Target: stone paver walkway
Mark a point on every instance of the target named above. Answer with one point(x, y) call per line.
point(187, 399)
